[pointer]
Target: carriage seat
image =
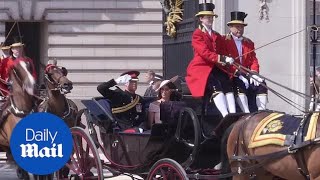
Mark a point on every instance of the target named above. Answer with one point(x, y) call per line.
point(99, 108)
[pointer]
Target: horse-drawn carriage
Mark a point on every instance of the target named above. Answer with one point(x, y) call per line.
point(185, 146)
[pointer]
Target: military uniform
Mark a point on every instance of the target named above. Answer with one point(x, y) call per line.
point(126, 107)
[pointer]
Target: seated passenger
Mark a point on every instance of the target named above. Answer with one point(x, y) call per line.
point(126, 105)
point(166, 92)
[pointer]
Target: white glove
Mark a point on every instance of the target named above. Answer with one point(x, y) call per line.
point(255, 80)
point(123, 79)
point(245, 81)
point(229, 60)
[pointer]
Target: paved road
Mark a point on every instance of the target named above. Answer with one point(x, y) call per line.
point(8, 172)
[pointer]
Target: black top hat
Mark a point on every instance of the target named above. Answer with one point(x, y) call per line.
point(134, 75)
point(206, 9)
point(237, 17)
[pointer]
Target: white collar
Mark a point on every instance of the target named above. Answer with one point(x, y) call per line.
point(207, 29)
point(236, 38)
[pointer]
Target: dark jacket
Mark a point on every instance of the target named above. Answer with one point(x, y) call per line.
point(126, 107)
point(150, 92)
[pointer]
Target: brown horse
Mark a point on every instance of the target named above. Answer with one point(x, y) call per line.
point(269, 158)
point(57, 85)
point(19, 103)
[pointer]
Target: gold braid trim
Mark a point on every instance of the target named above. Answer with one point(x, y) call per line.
point(174, 16)
point(126, 107)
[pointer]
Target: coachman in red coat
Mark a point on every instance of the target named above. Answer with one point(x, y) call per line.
point(206, 76)
point(242, 50)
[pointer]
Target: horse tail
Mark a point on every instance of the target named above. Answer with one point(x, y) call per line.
point(224, 155)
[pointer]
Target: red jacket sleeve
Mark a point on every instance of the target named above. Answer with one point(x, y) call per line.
point(253, 58)
point(200, 46)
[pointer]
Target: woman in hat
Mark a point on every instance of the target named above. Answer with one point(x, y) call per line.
point(242, 49)
point(207, 76)
point(166, 92)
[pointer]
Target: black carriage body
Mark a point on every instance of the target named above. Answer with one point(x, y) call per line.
point(137, 152)
point(133, 152)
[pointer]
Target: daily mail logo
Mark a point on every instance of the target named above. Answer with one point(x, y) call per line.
point(41, 143)
point(32, 150)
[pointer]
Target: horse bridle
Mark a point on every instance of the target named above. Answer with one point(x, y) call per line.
point(56, 83)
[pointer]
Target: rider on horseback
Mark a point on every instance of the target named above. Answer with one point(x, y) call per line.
point(6, 54)
point(8, 63)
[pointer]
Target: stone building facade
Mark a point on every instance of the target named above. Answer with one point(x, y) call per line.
point(96, 40)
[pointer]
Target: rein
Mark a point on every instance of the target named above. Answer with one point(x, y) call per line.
point(250, 73)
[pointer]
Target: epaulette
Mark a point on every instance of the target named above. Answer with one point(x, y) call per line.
point(228, 37)
point(246, 39)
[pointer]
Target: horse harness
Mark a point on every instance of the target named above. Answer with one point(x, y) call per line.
point(65, 115)
point(13, 109)
point(297, 144)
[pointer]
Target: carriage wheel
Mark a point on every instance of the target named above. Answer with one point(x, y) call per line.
point(167, 169)
point(84, 162)
point(190, 137)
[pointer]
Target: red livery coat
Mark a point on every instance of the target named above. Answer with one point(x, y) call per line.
point(206, 57)
point(249, 60)
point(8, 63)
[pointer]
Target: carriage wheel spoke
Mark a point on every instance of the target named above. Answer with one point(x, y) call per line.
point(87, 160)
point(74, 166)
point(79, 153)
point(163, 174)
